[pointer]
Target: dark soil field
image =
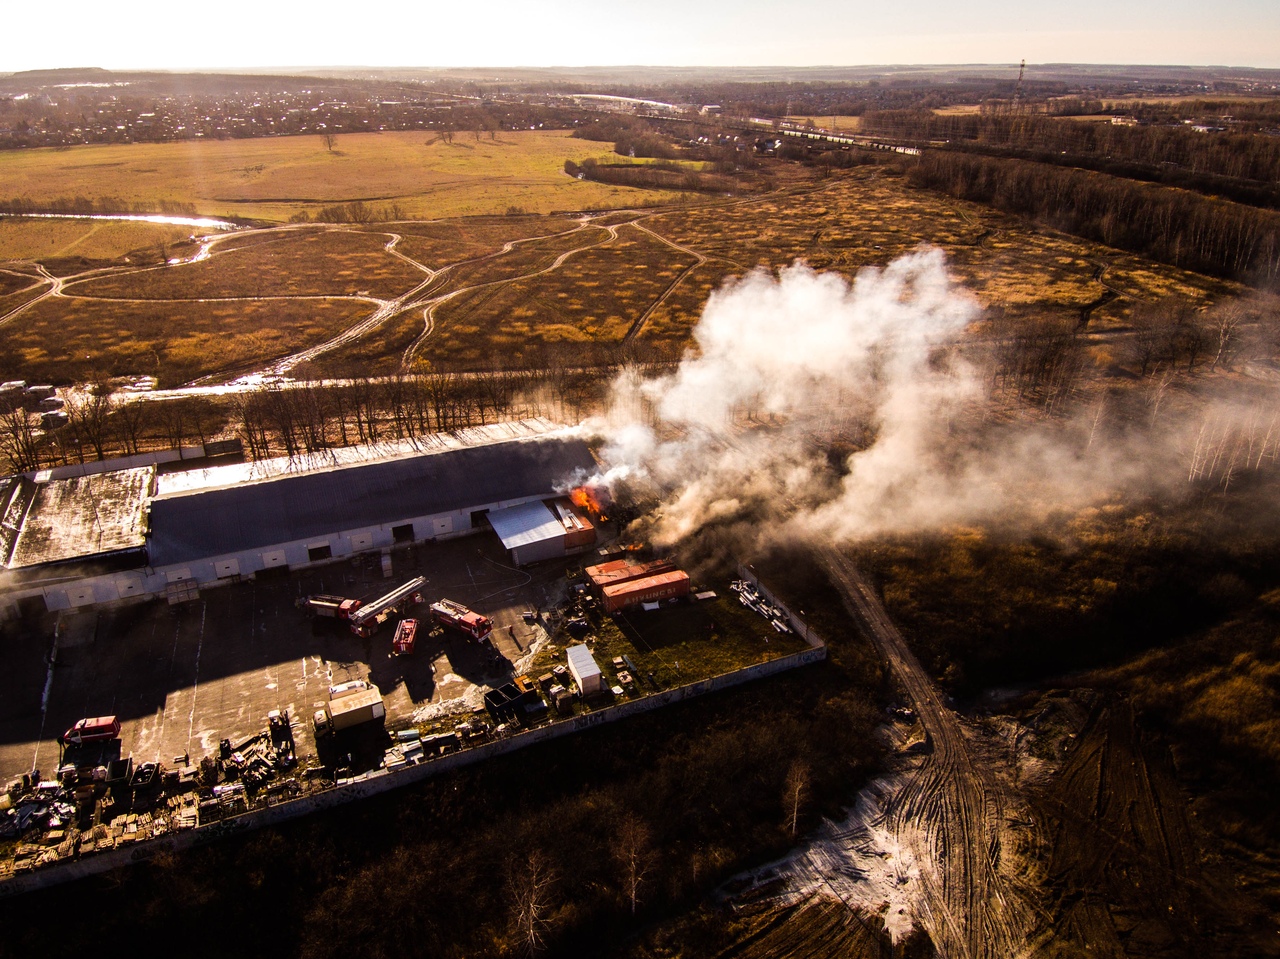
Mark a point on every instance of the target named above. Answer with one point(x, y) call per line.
point(1124, 867)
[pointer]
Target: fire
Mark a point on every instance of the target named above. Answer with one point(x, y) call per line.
point(592, 500)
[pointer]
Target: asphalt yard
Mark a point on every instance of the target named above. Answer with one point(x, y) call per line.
point(182, 678)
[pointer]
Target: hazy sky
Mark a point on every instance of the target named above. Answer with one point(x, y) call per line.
point(245, 33)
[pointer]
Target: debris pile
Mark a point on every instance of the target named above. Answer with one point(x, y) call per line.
point(751, 598)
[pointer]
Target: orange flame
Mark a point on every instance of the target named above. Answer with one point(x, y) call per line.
point(586, 498)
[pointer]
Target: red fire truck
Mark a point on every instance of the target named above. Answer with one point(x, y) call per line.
point(456, 616)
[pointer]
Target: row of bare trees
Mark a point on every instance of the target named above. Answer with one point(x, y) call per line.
point(1252, 157)
point(315, 416)
point(295, 419)
point(101, 424)
point(1193, 232)
point(532, 880)
point(1042, 360)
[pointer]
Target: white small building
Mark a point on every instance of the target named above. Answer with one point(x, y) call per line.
point(585, 672)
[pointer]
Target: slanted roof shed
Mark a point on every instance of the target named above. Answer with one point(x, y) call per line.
point(526, 524)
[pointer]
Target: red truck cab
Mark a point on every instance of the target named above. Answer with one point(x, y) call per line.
point(91, 730)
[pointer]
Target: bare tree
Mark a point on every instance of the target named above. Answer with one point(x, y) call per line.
point(175, 417)
point(633, 852)
point(794, 792)
point(1155, 333)
point(530, 885)
point(329, 140)
point(87, 417)
point(131, 418)
point(1225, 322)
point(19, 440)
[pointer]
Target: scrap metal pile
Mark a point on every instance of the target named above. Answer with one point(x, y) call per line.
point(751, 598)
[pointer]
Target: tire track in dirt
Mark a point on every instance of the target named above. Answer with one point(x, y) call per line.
point(699, 260)
point(1123, 865)
point(951, 812)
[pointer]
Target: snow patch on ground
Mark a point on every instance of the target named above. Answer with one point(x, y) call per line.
point(861, 863)
point(470, 700)
point(858, 861)
point(522, 666)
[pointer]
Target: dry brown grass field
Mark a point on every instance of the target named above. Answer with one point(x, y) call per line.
point(503, 300)
point(28, 239)
point(15, 281)
point(835, 124)
point(538, 254)
point(440, 242)
point(73, 340)
point(276, 178)
point(595, 296)
point(303, 263)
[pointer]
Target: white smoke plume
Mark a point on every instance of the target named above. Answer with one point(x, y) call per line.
point(785, 365)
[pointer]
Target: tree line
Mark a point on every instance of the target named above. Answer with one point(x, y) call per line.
point(91, 206)
point(307, 417)
point(1202, 234)
point(652, 176)
point(357, 211)
point(1242, 166)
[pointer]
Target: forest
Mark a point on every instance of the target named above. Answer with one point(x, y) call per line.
point(1194, 232)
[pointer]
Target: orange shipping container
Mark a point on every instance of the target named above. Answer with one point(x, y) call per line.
point(620, 571)
point(647, 590)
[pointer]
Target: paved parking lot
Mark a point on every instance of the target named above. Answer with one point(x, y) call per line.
point(181, 678)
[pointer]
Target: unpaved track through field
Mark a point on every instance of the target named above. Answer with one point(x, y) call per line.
point(950, 812)
point(429, 306)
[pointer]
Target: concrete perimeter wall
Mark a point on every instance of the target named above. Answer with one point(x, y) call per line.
point(382, 780)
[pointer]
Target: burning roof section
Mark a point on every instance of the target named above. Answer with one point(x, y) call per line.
point(74, 518)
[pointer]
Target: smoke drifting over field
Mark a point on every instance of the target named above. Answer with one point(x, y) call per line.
point(874, 368)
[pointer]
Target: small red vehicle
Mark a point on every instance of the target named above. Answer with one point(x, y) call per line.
point(91, 730)
point(406, 636)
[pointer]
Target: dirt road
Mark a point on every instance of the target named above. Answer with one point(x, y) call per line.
point(951, 812)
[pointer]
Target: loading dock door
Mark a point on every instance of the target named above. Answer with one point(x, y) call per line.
point(361, 541)
point(226, 568)
point(272, 558)
point(442, 525)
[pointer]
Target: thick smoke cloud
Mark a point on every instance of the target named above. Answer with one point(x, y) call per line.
point(737, 437)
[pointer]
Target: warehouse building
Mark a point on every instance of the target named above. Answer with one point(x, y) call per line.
point(174, 533)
